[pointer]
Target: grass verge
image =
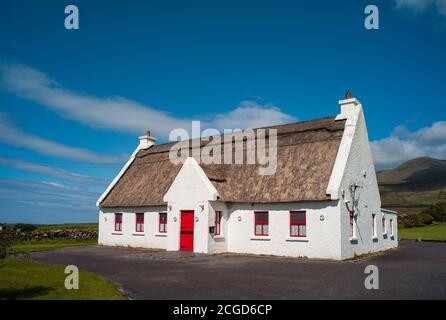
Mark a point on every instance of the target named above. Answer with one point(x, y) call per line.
point(43, 245)
point(436, 231)
point(30, 280)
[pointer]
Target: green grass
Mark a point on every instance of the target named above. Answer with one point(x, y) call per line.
point(435, 231)
point(30, 280)
point(43, 245)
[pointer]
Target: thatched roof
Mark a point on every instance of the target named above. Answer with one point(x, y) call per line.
point(305, 157)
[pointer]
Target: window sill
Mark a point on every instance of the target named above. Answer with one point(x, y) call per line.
point(161, 234)
point(297, 239)
point(117, 233)
point(353, 239)
point(219, 237)
point(138, 234)
point(261, 238)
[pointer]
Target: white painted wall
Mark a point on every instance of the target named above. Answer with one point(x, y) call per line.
point(219, 243)
point(150, 238)
point(360, 170)
point(322, 241)
point(191, 190)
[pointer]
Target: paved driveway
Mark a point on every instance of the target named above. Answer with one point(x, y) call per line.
point(414, 271)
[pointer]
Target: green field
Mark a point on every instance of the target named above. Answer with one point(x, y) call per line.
point(435, 231)
point(30, 280)
point(43, 245)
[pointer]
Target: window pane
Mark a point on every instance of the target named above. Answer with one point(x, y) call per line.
point(258, 216)
point(258, 229)
point(294, 230)
point(265, 229)
point(294, 216)
point(265, 216)
point(303, 230)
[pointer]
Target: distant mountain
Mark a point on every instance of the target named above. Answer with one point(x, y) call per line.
point(412, 186)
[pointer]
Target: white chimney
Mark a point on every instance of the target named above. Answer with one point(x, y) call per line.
point(349, 106)
point(146, 141)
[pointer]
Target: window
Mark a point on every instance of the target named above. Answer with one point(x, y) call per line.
point(374, 225)
point(118, 221)
point(261, 223)
point(162, 222)
point(391, 227)
point(140, 222)
point(352, 226)
point(383, 222)
point(217, 223)
point(298, 224)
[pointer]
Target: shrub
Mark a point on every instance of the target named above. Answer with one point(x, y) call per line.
point(25, 227)
point(437, 211)
point(5, 243)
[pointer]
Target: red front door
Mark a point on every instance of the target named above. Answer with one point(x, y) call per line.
point(187, 230)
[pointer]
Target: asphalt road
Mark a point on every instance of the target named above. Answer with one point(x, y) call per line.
point(413, 271)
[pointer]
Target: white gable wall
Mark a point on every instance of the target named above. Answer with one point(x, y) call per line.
point(360, 170)
point(191, 190)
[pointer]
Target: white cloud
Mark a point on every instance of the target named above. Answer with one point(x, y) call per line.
point(49, 171)
point(250, 114)
point(403, 145)
point(120, 114)
point(421, 5)
point(16, 137)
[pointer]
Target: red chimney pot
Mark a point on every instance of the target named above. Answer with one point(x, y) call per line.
point(148, 133)
point(348, 95)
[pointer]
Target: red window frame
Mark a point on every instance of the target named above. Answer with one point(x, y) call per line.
point(383, 225)
point(162, 222)
point(118, 221)
point(261, 218)
point(139, 222)
point(352, 225)
point(298, 224)
point(217, 223)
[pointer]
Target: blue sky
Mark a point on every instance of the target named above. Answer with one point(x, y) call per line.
point(72, 103)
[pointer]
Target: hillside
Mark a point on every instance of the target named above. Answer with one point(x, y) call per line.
point(412, 186)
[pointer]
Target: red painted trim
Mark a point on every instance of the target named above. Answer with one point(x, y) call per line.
point(118, 221)
point(262, 223)
point(298, 223)
point(352, 224)
point(139, 225)
point(383, 225)
point(162, 222)
point(218, 223)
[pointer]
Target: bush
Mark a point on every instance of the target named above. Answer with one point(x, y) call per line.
point(437, 211)
point(25, 227)
point(5, 243)
point(417, 220)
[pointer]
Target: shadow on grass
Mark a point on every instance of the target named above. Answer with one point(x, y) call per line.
point(24, 293)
